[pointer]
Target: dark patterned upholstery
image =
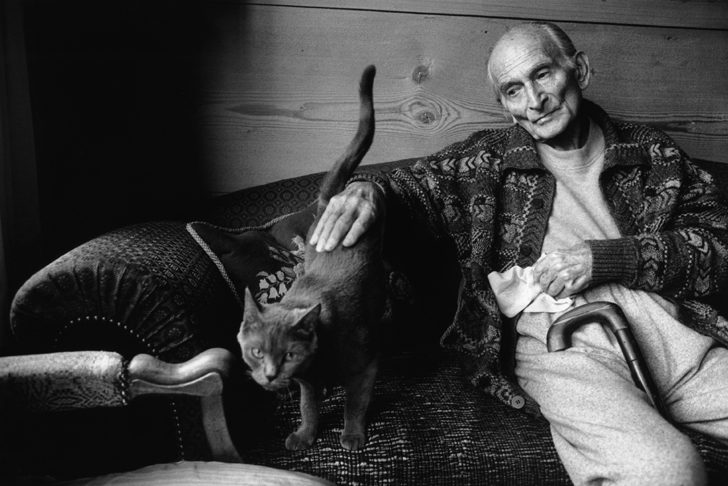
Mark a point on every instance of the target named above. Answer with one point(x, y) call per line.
point(427, 426)
point(155, 266)
point(65, 381)
point(150, 288)
point(140, 289)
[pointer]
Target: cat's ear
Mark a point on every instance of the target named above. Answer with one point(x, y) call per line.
point(306, 324)
point(251, 312)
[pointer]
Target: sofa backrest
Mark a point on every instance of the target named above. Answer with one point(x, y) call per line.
point(258, 205)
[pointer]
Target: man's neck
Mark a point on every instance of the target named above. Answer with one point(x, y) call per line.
point(577, 160)
point(574, 137)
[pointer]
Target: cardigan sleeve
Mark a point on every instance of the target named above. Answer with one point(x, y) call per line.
point(406, 193)
point(423, 192)
point(685, 252)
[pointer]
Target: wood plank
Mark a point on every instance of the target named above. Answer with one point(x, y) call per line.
point(706, 14)
point(280, 96)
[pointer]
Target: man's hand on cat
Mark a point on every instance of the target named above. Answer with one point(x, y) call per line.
point(348, 215)
point(564, 272)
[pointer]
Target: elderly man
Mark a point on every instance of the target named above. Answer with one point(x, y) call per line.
point(602, 211)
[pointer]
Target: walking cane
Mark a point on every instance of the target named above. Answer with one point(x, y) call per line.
point(611, 316)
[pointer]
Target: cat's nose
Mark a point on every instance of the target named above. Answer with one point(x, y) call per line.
point(270, 371)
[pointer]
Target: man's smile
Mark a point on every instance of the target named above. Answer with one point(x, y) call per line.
point(544, 118)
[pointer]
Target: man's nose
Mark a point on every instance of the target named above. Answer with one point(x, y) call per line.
point(535, 97)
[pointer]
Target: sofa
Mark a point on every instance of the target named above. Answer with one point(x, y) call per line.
point(172, 290)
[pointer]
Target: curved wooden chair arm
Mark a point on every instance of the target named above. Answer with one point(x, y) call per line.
point(86, 379)
point(201, 376)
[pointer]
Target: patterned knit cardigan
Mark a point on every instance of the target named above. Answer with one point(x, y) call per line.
point(492, 197)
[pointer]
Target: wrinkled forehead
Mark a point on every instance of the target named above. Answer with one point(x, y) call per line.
point(518, 54)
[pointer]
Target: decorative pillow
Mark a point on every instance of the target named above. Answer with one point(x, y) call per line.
point(250, 257)
point(268, 258)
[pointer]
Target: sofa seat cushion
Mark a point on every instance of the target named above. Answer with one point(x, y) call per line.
point(428, 426)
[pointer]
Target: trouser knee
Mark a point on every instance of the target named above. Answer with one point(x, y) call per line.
point(679, 464)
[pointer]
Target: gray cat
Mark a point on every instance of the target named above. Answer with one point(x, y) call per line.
point(325, 330)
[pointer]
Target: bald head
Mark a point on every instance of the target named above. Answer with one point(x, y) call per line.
point(549, 36)
point(539, 77)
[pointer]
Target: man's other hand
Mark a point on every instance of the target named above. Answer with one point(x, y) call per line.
point(564, 272)
point(348, 215)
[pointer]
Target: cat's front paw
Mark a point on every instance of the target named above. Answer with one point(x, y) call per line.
point(298, 441)
point(352, 442)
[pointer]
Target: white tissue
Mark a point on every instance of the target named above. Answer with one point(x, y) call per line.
point(515, 291)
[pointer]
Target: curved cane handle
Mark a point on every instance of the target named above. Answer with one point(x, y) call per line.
point(610, 315)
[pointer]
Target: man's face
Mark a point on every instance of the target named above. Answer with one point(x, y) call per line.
point(537, 91)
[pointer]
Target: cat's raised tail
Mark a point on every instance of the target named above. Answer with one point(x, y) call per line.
point(335, 180)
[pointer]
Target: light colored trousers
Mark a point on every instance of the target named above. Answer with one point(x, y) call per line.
point(603, 426)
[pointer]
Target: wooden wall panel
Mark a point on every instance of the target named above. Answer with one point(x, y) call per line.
point(280, 84)
point(702, 14)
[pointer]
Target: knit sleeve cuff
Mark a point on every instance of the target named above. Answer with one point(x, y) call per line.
point(379, 181)
point(613, 260)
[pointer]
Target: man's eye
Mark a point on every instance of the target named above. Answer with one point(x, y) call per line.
point(511, 92)
point(256, 352)
point(543, 74)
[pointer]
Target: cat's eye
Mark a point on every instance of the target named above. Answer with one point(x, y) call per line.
point(256, 352)
point(290, 356)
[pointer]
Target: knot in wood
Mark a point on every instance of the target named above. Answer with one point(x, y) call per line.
point(423, 111)
point(427, 117)
point(420, 73)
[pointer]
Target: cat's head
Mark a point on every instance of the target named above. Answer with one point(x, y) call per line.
point(278, 342)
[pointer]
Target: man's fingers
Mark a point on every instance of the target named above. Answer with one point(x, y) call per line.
point(568, 279)
point(550, 274)
point(357, 229)
point(578, 284)
point(557, 284)
point(341, 225)
point(546, 267)
point(318, 230)
point(555, 288)
point(327, 226)
point(347, 216)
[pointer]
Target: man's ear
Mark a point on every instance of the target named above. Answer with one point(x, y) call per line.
point(306, 324)
point(583, 70)
point(250, 309)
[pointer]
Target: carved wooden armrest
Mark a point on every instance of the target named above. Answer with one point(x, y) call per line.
point(201, 376)
point(85, 379)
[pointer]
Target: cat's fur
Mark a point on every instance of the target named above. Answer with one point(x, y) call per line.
point(325, 330)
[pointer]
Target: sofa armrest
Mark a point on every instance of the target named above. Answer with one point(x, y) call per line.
point(57, 382)
point(147, 288)
point(257, 205)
